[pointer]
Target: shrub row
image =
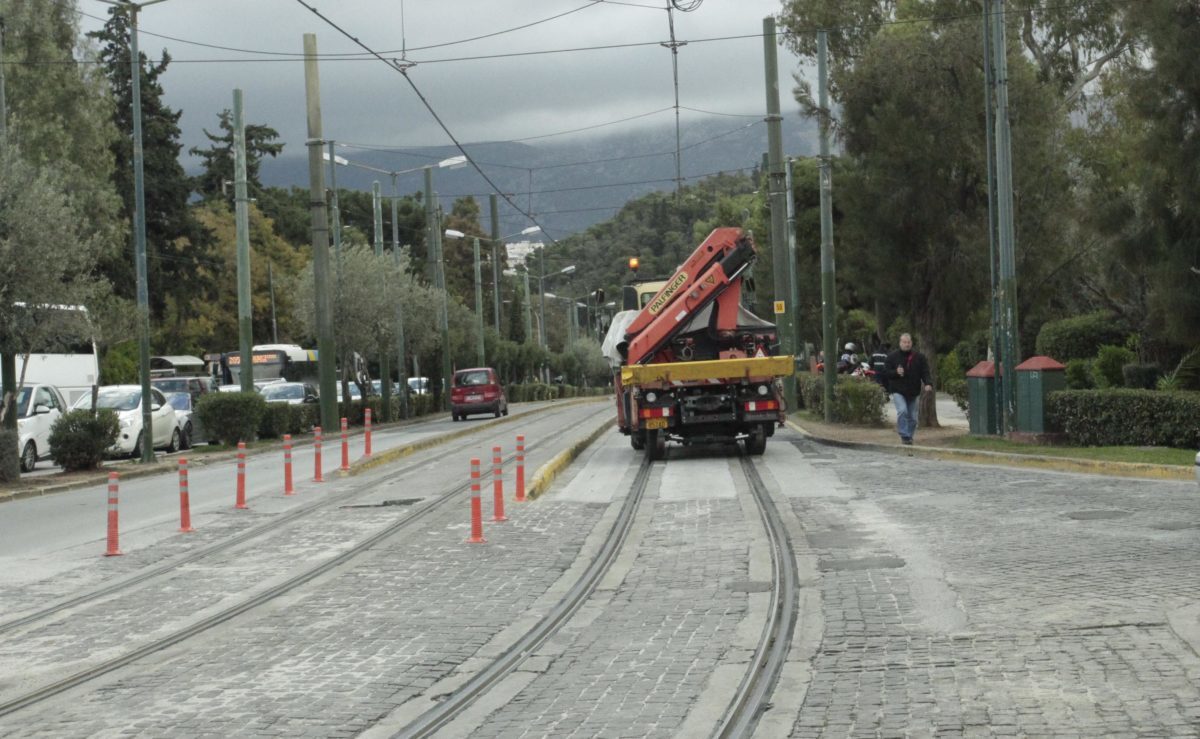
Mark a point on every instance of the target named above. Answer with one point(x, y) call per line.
point(1079, 337)
point(1126, 417)
point(855, 400)
point(79, 439)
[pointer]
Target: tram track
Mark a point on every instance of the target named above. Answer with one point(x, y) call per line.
point(753, 693)
point(434, 503)
point(264, 529)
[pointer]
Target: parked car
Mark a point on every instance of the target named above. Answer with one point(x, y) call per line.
point(418, 385)
point(194, 386)
point(377, 388)
point(126, 402)
point(38, 407)
point(477, 391)
point(355, 392)
point(294, 393)
point(191, 430)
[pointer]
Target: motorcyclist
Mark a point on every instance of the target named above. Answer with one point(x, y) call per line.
point(848, 362)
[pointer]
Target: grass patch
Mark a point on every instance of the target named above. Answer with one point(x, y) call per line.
point(1146, 455)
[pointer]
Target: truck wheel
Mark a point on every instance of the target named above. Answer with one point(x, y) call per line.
point(637, 441)
point(756, 442)
point(28, 457)
point(656, 445)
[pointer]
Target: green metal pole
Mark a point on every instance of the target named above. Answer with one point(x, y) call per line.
point(430, 269)
point(528, 309)
point(479, 349)
point(445, 299)
point(542, 296)
point(139, 231)
point(385, 368)
point(242, 218)
point(989, 83)
point(793, 282)
point(8, 360)
point(402, 369)
point(778, 197)
point(1004, 200)
point(828, 283)
point(335, 214)
point(494, 207)
point(326, 351)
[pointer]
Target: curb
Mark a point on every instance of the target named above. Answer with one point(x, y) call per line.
point(544, 476)
point(393, 455)
point(1033, 461)
point(135, 471)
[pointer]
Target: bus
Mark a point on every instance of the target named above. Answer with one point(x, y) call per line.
point(271, 361)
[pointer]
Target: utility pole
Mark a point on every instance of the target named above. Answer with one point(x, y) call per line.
point(542, 296)
point(494, 207)
point(674, 45)
point(430, 229)
point(479, 350)
point(528, 308)
point(271, 288)
point(385, 369)
point(241, 201)
point(989, 84)
point(828, 291)
point(326, 359)
point(779, 195)
point(139, 236)
point(335, 214)
point(440, 275)
point(402, 370)
point(1004, 200)
point(8, 360)
point(793, 282)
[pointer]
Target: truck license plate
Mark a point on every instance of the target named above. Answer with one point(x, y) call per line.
point(656, 423)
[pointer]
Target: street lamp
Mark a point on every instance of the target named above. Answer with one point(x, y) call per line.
point(139, 219)
point(433, 243)
point(496, 268)
point(479, 350)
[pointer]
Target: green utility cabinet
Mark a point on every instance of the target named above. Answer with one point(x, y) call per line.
point(1036, 378)
point(981, 396)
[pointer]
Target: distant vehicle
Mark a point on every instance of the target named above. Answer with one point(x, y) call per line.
point(194, 386)
point(293, 393)
point(477, 391)
point(126, 401)
point(260, 384)
point(271, 362)
point(230, 388)
point(377, 387)
point(38, 407)
point(418, 385)
point(355, 392)
point(177, 366)
point(189, 425)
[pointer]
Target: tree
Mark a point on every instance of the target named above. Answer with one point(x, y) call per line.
point(176, 244)
point(48, 255)
point(218, 159)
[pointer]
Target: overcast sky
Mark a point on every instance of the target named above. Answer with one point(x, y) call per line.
point(366, 101)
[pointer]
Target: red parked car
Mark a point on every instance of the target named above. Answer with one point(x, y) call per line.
point(477, 391)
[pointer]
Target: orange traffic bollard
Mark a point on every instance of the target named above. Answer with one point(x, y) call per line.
point(317, 451)
point(114, 548)
point(520, 469)
point(241, 482)
point(288, 489)
point(185, 507)
point(367, 422)
point(345, 445)
point(497, 487)
point(476, 507)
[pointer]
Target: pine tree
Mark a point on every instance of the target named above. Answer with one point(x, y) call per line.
point(218, 158)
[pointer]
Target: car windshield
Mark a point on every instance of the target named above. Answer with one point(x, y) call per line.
point(465, 379)
point(23, 402)
point(283, 392)
point(416, 383)
point(180, 401)
point(119, 399)
point(171, 386)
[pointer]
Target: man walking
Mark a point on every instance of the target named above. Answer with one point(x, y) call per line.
point(907, 375)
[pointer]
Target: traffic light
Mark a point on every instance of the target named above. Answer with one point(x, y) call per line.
point(633, 264)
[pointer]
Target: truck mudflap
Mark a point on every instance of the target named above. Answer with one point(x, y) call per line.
point(714, 371)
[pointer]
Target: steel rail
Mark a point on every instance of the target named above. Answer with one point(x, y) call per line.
point(444, 712)
point(79, 678)
point(754, 692)
point(265, 528)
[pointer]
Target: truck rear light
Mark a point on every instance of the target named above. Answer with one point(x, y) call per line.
point(664, 412)
point(755, 406)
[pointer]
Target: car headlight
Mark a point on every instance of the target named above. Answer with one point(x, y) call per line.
point(126, 422)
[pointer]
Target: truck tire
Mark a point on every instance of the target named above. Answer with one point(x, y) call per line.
point(656, 445)
point(756, 442)
point(637, 441)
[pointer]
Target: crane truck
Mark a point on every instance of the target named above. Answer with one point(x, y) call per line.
point(691, 363)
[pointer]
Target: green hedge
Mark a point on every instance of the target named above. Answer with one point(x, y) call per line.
point(1126, 417)
point(79, 439)
point(231, 417)
point(1079, 374)
point(284, 418)
point(1079, 337)
point(10, 456)
point(1107, 369)
point(855, 400)
point(1143, 376)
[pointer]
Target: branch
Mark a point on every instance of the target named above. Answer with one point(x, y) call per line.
point(1031, 43)
point(1097, 66)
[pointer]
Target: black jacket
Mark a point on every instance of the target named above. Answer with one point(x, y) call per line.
point(916, 373)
